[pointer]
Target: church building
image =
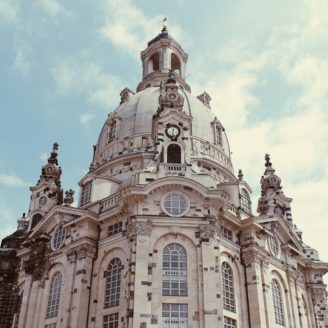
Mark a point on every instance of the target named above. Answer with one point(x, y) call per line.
point(164, 234)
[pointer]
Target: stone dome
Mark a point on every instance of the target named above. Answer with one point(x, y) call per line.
point(138, 129)
point(136, 118)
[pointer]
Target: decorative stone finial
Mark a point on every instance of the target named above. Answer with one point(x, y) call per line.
point(240, 175)
point(51, 171)
point(125, 94)
point(205, 98)
point(164, 29)
point(267, 160)
point(69, 197)
point(171, 78)
point(53, 157)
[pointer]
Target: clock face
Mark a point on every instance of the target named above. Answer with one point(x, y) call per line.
point(173, 131)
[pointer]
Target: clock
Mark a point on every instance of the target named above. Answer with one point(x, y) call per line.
point(172, 131)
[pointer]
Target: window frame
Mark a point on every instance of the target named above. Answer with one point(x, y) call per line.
point(114, 322)
point(165, 199)
point(58, 238)
point(54, 295)
point(113, 281)
point(229, 322)
point(179, 308)
point(115, 228)
point(278, 303)
point(245, 201)
point(86, 192)
point(228, 288)
point(174, 270)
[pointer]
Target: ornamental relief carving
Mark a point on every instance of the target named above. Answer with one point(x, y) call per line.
point(252, 256)
point(142, 228)
point(319, 295)
point(208, 231)
point(80, 252)
point(38, 262)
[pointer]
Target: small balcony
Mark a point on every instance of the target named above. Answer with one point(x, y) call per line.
point(174, 169)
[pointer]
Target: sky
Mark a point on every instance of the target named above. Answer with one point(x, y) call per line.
point(264, 63)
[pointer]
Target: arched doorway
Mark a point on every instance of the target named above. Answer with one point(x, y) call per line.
point(173, 153)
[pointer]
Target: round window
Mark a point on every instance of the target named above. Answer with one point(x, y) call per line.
point(58, 238)
point(175, 204)
point(43, 201)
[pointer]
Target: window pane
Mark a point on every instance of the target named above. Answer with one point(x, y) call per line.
point(175, 316)
point(174, 273)
point(54, 295)
point(277, 303)
point(111, 321)
point(228, 288)
point(113, 282)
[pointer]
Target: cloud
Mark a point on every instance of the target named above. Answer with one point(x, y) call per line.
point(53, 7)
point(8, 12)
point(12, 181)
point(8, 225)
point(294, 133)
point(86, 118)
point(74, 76)
point(43, 157)
point(128, 28)
point(21, 63)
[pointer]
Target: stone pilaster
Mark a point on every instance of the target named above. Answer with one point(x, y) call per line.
point(252, 261)
point(85, 254)
point(140, 232)
point(210, 281)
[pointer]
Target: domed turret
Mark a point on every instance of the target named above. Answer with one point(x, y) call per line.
point(159, 125)
point(162, 56)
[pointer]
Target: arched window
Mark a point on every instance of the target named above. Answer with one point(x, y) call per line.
point(173, 153)
point(277, 303)
point(54, 295)
point(245, 201)
point(174, 271)
point(228, 289)
point(175, 64)
point(154, 63)
point(86, 193)
point(113, 283)
point(219, 139)
point(36, 218)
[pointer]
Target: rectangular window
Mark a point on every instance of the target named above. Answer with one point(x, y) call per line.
point(175, 315)
point(230, 323)
point(51, 325)
point(114, 229)
point(111, 321)
point(226, 233)
point(86, 193)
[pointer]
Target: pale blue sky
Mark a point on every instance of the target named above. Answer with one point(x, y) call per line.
point(264, 63)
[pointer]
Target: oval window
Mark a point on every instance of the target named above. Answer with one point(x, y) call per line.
point(175, 204)
point(58, 238)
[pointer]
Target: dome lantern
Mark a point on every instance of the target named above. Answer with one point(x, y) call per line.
point(162, 55)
